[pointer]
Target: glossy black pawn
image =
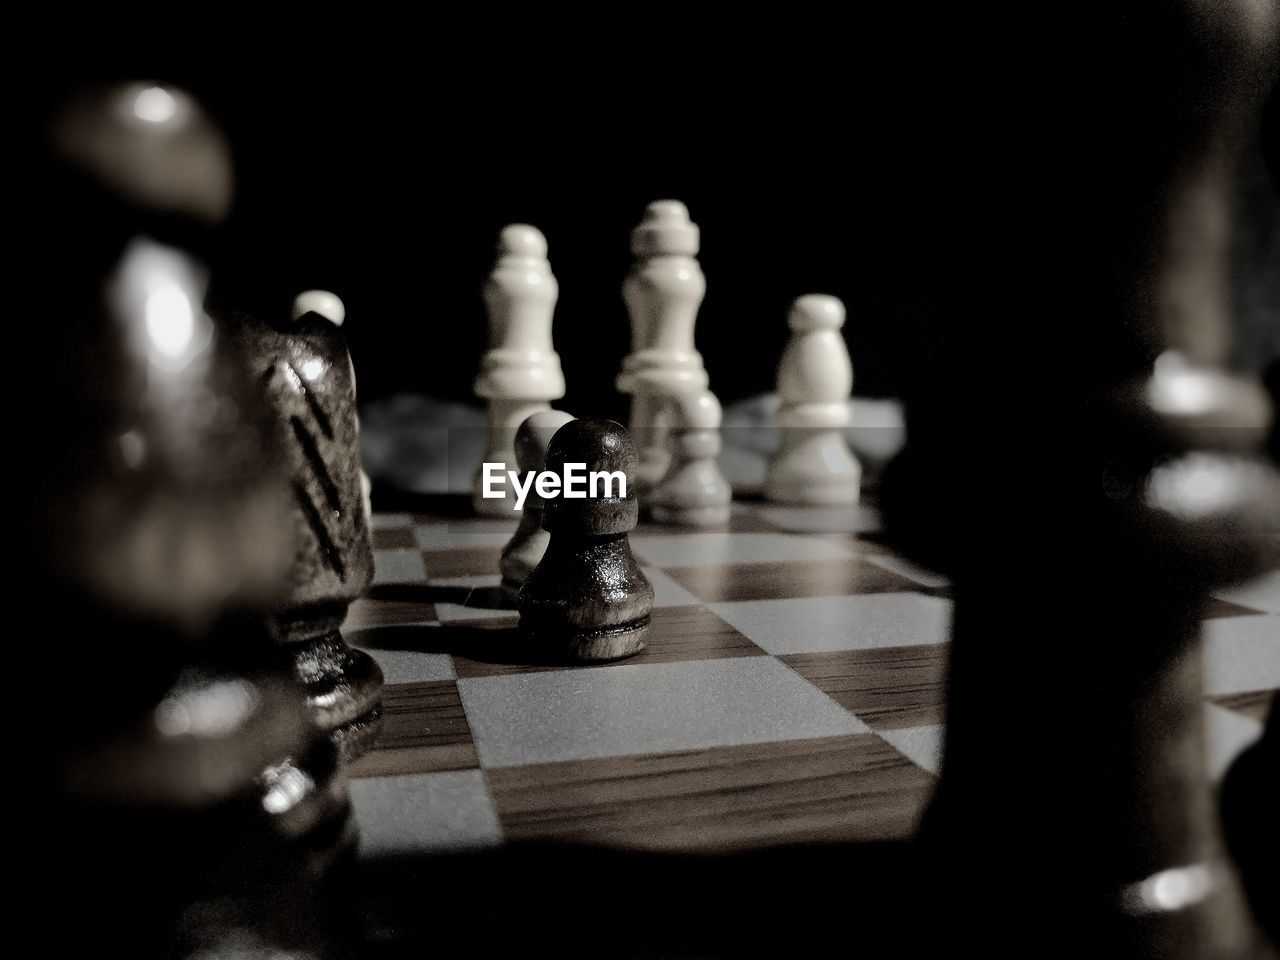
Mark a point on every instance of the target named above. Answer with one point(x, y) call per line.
point(588, 599)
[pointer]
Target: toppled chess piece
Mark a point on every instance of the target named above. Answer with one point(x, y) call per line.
point(663, 292)
point(588, 599)
point(520, 373)
point(527, 545)
point(694, 493)
point(306, 372)
point(814, 464)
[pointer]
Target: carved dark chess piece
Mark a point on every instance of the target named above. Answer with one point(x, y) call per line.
point(529, 542)
point(306, 371)
point(588, 599)
point(189, 801)
point(1114, 483)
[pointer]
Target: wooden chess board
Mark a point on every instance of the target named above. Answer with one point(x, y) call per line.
point(792, 691)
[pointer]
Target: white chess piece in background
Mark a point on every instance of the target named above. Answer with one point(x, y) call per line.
point(663, 292)
point(693, 493)
point(813, 464)
point(520, 374)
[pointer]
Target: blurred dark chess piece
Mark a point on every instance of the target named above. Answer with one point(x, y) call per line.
point(191, 806)
point(1271, 377)
point(588, 599)
point(304, 367)
point(1250, 798)
point(1120, 484)
point(529, 542)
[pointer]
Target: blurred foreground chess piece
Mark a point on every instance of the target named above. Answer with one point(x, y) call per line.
point(1115, 467)
point(814, 465)
point(693, 493)
point(306, 372)
point(520, 374)
point(1250, 797)
point(588, 599)
point(190, 805)
point(527, 545)
point(663, 292)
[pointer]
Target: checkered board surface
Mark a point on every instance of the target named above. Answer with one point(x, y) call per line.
point(791, 691)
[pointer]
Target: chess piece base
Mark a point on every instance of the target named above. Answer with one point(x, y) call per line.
point(343, 685)
point(593, 646)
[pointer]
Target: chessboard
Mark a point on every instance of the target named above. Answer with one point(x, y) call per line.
point(792, 691)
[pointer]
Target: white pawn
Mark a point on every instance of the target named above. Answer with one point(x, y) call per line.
point(520, 374)
point(814, 464)
point(663, 291)
point(694, 493)
point(524, 550)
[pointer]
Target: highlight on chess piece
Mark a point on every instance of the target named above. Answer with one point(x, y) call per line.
point(813, 464)
point(663, 292)
point(588, 599)
point(520, 374)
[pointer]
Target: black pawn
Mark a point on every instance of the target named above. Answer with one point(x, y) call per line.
point(588, 599)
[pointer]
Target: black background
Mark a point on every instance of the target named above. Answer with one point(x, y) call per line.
point(832, 159)
point(391, 192)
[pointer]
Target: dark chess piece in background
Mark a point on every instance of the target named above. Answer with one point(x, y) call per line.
point(190, 806)
point(588, 599)
point(1120, 482)
point(303, 365)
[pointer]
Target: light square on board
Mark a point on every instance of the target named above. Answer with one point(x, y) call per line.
point(840, 623)
point(644, 708)
point(424, 813)
point(471, 532)
point(398, 566)
point(1241, 654)
point(404, 666)
point(922, 745)
point(737, 548)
